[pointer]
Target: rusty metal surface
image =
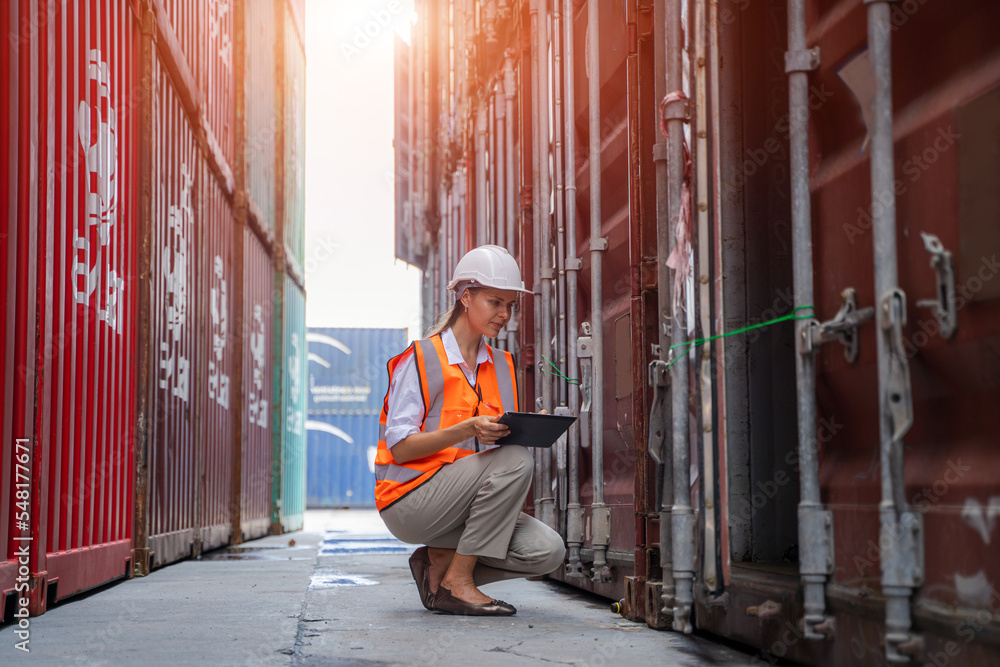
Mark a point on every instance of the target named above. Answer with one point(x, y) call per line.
point(258, 158)
point(204, 32)
point(178, 359)
point(218, 396)
point(257, 327)
point(950, 450)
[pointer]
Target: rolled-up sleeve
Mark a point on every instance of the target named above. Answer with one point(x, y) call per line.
point(406, 405)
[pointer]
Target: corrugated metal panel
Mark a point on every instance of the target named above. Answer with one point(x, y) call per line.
point(69, 254)
point(175, 326)
point(204, 30)
point(298, 10)
point(259, 153)
point(258, 327)
point(341, 460)
point(218, 347)
point(216, 73)
point(290, 429)
point(347, 368)
point(295, 141)
point(19, 246)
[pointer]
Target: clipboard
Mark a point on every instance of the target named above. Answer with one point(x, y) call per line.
point(529, 429)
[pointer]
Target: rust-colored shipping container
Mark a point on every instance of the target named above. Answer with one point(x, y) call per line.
point(70, 249)
point(219, 397)
point(256, 333)
point(797, 317)
point(258, 69)
point(175, 320)
point(203, 30)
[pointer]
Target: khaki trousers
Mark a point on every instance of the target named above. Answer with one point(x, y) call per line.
point(474, 506)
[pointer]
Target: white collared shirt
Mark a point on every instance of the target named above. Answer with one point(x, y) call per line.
point(406, 404)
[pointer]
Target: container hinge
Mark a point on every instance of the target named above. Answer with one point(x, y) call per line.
point(805, 60)
point(574, 263)
point(600, 244)
point(843, 327)
point(659, 416)
point(943, 307)
point(585, 355)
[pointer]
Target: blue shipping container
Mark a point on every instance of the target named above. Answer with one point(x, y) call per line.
point(347, 373)
point(347, 383)
point(340, 470)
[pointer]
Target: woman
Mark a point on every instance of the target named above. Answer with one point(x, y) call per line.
point(440, 479)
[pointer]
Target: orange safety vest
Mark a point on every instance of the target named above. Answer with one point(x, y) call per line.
point(448, 400)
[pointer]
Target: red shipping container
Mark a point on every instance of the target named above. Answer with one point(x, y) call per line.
point(256, 332)
point(69, 338)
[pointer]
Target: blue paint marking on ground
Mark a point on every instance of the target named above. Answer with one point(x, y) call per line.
point(338, 544)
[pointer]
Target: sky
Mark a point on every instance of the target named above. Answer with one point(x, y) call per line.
point(352, 276)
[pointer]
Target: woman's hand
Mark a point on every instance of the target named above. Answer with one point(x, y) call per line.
point(486, 429)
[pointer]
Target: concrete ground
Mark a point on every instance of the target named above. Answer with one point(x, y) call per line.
point(337, 593)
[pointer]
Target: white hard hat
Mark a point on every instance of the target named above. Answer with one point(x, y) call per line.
point(489, 266)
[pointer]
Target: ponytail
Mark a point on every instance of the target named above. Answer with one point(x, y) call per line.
point(448, 320)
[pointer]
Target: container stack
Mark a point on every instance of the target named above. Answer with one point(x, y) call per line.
point(154, 349)
point(347, 385)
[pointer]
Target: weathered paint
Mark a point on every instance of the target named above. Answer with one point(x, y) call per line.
point(69, 250)
point(219, 397)
point(204, 32)
point(257, 328)
point(177, 358)
point(259, 149)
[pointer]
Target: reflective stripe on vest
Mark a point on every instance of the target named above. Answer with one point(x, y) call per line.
point(495, 391)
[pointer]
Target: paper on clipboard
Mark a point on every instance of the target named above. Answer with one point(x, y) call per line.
point(529, 429)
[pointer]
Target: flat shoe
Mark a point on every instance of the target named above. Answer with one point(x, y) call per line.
point(448, 603)
point(420, 568)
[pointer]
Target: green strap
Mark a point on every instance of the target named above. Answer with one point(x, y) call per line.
point(558, 372)
point(699, 341)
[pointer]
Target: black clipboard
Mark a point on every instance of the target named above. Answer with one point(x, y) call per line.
point(529, 429)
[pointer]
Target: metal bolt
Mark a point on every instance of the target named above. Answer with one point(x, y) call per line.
point(704, 280)
point(708, 428)
point(702, 206)
point(702, 134)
